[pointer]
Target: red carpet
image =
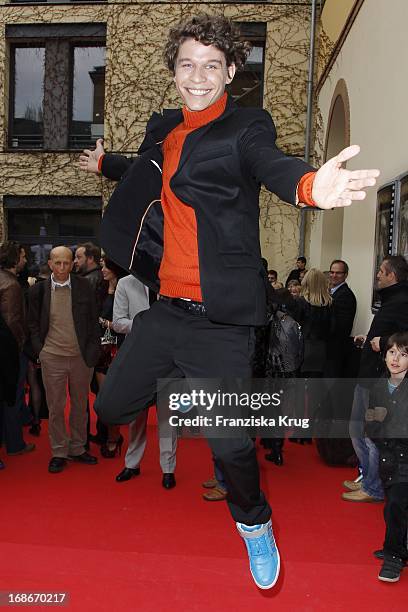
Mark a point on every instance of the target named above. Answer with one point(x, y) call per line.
point(135, 546)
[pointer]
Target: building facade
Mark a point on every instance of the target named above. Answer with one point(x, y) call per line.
point(361, 94)
point(73, 72)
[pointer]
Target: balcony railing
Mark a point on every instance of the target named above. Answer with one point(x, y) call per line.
point(27, 141)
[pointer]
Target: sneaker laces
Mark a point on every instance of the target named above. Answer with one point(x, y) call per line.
point(258, 546)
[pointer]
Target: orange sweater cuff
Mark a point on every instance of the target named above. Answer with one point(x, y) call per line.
point(100, 160)
point(305, 187)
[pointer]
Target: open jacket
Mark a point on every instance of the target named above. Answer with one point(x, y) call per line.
point(84, 313)
point(221, 169)
point(389, 430)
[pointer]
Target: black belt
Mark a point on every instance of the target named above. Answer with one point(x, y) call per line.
point(196, 308)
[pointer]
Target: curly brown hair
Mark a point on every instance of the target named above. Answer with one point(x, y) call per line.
point(208, 30)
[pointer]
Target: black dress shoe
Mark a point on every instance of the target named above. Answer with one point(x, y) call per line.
point(168, 481)
point(56, 465)
point(96, 439)
point(127, 474)
point(84, 458)
point(276, 458)
point(35, 429)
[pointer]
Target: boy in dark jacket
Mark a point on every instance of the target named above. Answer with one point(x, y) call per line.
point(387, 425)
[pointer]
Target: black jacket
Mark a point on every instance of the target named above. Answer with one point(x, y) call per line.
point(391, 317)
point(84, 312)
point(344, 311)
point(221, 169)
point(316, 323)
point(98, 284)
point(340, 344)
point(9, 364)
point(293, 275)
point(391, 434)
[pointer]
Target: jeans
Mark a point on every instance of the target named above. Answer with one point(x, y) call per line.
point(365, 448)
point(219, 475)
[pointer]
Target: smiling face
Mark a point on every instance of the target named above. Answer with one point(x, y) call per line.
point(337, 274)
point(201, 74)
point(107, 273)
point(397, 362)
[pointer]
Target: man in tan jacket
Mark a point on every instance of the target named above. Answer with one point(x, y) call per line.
point(63, 322)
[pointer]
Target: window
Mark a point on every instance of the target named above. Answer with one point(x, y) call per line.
point(247, 85)
point(27, 129)
point(40, 223)
point(384, 232)
point(57, 85)
point(88, 96)
point(402, 244)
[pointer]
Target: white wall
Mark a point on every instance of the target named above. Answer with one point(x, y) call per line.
point(373, 62)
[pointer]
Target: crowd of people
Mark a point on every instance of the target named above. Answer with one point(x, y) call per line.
point(67, 324)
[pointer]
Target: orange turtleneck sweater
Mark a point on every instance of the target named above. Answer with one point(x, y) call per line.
point(179, 270)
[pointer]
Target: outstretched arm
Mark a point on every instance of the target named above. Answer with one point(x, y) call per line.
point(330, 187)
point(335, 187)
point(88, 161)
point(99, 162)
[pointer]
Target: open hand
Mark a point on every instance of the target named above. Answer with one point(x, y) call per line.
point(335, 187)
point(88, 160)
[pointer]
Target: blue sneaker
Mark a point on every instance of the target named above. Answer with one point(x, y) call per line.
point(264, 560)
point(183, 408)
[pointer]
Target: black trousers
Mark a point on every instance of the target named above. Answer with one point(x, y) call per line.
point(396, 520)
point(167, 341)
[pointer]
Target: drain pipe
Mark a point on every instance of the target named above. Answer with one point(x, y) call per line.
point(309, 117)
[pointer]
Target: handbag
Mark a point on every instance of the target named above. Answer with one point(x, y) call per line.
point(109, 348)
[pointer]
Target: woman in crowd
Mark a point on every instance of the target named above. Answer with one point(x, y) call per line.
point(314, 314)
point(294, 288)
point(312, 310)
point(109, 345)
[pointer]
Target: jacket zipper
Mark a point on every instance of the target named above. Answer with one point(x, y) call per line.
point(143, 218)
